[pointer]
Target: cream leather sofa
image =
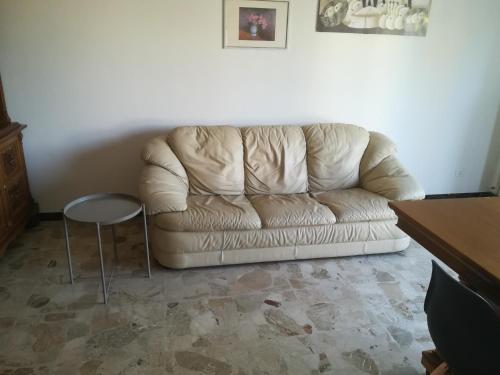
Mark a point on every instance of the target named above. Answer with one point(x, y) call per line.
point(225, 195)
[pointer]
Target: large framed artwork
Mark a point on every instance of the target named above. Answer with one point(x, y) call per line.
point(397, 17)
point(255, 23)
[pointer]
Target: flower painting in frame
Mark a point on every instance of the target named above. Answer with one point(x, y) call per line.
point(255, 23)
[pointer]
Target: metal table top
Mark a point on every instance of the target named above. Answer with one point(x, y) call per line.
point(103, 208)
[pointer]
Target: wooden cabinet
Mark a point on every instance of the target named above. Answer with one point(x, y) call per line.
point(15, 202)
point(4, 224)
point(4, 116)
point(15, 198)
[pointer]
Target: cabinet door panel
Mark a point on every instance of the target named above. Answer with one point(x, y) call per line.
point(4, 222)
point(17, 197)
point(10, 158)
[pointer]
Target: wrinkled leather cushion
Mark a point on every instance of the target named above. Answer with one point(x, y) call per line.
point(162, 191)
point(379, 147)
point(211, 213)
point(275, 160)
point(278, 211)
point(164, 183)
point(390, 179)
point(354, 205)
point(334, 152)
point(157, 152)
point(212, 157)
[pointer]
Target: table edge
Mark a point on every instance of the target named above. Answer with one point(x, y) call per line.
point(414, 229)
point(94, 196)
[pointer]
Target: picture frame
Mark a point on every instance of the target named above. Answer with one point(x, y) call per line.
point(389, 17)
point(256, 23)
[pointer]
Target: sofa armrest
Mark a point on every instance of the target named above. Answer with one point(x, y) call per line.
point(391, 180)
point(162, 191)
point(164, 183)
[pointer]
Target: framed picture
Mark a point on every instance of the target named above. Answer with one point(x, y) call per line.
point(255, 23)
point(396, 17)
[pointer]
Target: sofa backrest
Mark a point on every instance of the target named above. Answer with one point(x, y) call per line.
point(334, 152)
point(212, 157)
point(275, 160)
point(270, 159)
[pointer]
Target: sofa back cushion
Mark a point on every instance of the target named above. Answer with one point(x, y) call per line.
point(212, 157)
point(275, 160)
point(334, 152)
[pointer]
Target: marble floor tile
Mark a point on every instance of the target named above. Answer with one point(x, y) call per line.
point(355, 315)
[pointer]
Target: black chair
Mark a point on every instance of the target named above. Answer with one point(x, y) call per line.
point(463, 325)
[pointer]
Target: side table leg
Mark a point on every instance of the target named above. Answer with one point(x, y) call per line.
point(103, 279)
point(68, 252)
point(146, 243)
point(114, 243)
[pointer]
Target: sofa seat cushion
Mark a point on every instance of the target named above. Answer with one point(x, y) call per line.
point(352, 205)
point(293, 210)
point(211, 213)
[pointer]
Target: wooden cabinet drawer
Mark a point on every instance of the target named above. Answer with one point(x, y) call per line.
point(10, 158)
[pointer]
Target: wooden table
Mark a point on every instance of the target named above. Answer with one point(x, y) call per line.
point(463, 233)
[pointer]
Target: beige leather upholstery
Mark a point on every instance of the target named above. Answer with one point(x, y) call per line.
point(162, 191)
point(334, 152)
point(273, 254)
point(379, 148)
point(315, 191)
point(203, 241)
point(353, 205)
point(275, 160)
point(164, 183)
point(390, 179)
point(211, 213)
point(291, 210)
point(212, 156)
point(381, 173)
point(158, 152)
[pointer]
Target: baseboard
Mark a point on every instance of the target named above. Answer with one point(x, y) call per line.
point(460, 195)
point(50, 216)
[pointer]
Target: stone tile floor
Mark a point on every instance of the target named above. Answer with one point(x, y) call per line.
point(358, 315)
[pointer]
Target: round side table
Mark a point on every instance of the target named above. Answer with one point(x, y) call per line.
point(104, 209)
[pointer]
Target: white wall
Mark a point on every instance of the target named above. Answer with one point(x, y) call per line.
point(94, 79)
